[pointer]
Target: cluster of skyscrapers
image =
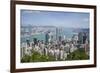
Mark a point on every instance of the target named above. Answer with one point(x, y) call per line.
point(53, 40)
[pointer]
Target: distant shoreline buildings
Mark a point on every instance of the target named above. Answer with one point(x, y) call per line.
point(53, 42)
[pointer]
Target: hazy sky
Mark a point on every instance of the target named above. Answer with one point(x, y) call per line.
point(53, 18)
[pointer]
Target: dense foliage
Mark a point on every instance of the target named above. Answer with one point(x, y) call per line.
point(36, 57)
point(78, 55)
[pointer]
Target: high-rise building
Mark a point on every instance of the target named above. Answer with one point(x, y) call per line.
point(58, 34)
point(50, 36)
point(75, 39)
point(47, 37)
point(23, 48)
point(28, 43)
point(87, 50)
point(60, 38)
point(35, 41)
point(82, 37)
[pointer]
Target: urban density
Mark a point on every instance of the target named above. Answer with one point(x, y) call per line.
point(51, 43)
point(50, 35)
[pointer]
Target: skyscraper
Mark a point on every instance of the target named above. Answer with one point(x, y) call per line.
point(58, 34)
point(47, 37)
point(82, 37)
point(35, 41)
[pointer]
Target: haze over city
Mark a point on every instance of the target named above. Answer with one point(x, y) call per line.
point(53, 18)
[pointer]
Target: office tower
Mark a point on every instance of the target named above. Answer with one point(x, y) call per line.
point(50, 37)
point(28, 43)
point(60, 38)
point(58, 34)
point(74, 39)
point(23, 48)
point(47, 37)
point(80, 38)
point(84, 38)
point(87, 47)
point(35, 41)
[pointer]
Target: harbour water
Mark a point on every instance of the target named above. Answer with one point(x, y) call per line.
point(67, 32)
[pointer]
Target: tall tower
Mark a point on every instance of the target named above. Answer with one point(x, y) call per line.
point(58, 34)
point(80, 38)
point(47, 37)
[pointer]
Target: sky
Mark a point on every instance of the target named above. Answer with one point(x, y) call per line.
point(55, 18)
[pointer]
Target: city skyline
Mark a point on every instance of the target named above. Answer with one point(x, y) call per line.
point(43, 44)
point(54, 18)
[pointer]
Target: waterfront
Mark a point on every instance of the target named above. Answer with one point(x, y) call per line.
point(64, 32)
point(54, 44)
point(54, 36)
